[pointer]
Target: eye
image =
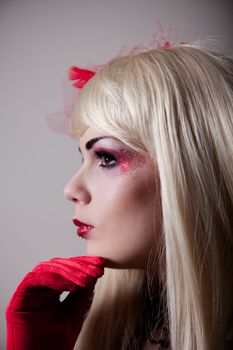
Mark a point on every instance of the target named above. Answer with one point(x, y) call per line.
point(107, 160)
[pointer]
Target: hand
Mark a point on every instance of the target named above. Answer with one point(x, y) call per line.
point(37, 319)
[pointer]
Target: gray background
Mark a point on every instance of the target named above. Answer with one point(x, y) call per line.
point(39, 41)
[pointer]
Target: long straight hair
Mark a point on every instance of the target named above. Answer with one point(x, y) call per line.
point(176, 104)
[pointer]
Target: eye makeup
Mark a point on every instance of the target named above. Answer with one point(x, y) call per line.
point(107, 159)
point(111, 153)
point(125, 160)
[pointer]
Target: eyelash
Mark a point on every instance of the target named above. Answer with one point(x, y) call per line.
point(107, 157)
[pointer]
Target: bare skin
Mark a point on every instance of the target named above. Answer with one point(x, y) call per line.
point(115, 191)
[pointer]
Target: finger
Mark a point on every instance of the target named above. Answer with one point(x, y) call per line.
point(94, 260)
point(86, 260)
point(37, 280)
point(75, 276)
point(72, 267)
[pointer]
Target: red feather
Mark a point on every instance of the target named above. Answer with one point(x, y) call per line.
point(80, 75)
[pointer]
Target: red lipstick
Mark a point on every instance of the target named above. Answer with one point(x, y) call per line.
point(83, 228)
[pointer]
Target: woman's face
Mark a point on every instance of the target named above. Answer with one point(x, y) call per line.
point(116, 196)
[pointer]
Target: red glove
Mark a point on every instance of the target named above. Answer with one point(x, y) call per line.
point(37, 319)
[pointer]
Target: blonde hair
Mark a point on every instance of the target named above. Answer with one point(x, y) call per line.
point(177, 104)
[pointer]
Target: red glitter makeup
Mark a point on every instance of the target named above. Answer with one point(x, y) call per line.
point(124, 160)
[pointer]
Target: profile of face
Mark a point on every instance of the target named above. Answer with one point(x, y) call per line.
point(116, 200)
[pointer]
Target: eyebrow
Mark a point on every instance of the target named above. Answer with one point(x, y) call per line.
point(91, 142)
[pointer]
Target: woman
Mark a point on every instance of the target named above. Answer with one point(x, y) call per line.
point(153, 199)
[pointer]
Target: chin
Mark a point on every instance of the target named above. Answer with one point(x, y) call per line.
point(117, 262)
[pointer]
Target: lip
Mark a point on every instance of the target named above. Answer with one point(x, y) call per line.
point(83, 228)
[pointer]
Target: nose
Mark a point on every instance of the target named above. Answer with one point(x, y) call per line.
point(76, 190)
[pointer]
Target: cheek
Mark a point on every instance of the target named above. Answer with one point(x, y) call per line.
point(125, 196)
point(129, 161)
point(137, 193)
point(126, 224)
point(124, 166)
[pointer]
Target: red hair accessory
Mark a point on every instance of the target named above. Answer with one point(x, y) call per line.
point(80, 75)
point(59, 122)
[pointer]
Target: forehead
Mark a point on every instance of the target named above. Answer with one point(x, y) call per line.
point(91, 133)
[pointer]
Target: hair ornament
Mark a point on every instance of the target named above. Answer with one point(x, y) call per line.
point(80, 75)
point(60, 122)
